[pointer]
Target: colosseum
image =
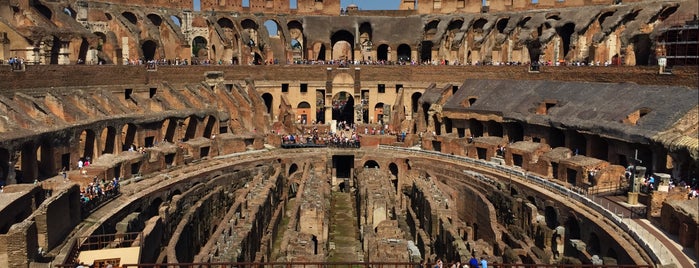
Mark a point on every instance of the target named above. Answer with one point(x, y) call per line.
point(231, 133)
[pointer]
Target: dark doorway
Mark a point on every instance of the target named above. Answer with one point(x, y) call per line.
point(426, 51)
point(382, 53)
point(404, 52)
point(268, 102)
point(572, 176)
point(149, 48)
point(343, 165)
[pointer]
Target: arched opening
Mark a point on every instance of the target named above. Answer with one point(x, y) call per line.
point(371, 164)
point(43, 10)
point(82, 53)
point(479, 24)
point(176, 20)
point(191, 125)
point(149, 48)
point(199, 47)
point(342, 45)
point(502, 25)
point(404, 53)
point(378, 113)
point(593, 245)
point(209, 127)
point(155, 19)
point(426, 51)
point(565, 32)
point(415, 102)
point(293, 168)
point(258, 59)
point(108, 139)
point(642, 48)
point(494, 129)
point(303, 111)
point(551, 217)
point(431, 29)
point(394, 170)
point(320, 49)
point(130, 17)
point(343, 107)
point(70, 12)
point(437, 125)
point(297, 42)
point(272, 28)
point(476, 127)
point(168, 129)
point(572, 232)
point(268, 98)
point(128, 136)
point(604, 16)
point(87, 143)
point(382, 52)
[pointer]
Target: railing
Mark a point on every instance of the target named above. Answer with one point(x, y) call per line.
point(654, 252)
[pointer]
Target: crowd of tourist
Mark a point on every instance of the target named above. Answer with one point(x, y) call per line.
point(341, 139)
point(97, 192)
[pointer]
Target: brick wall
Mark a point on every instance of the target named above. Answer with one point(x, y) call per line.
point(47, 76)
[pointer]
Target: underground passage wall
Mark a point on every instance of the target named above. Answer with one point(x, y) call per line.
point(461, 211)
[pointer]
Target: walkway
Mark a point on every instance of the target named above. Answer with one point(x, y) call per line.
point(663, 243)
point(344, 231)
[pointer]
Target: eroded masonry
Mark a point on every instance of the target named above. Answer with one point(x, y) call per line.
point(382, 141)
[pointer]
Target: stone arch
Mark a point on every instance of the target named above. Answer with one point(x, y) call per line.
point(128, 136)
point(148, 47)
point(303, 111)
point(168, 129)
point(269, 100)
point(523, 21)
point(320, 51)
point(155, 19)
point(566, 33)
point(642, 48)
point(371, 164)
point(404, 52)
point(415, 102)
point(82, 52)
point(431, 29)
point(190, 124)
point(293, 168)
point(251, 28)
point(501, 25)
point(87, 143)
point(210, 125)
point(478, 26)
point(176, 20)
point(43, 10)
point(602, 17)
point(343, 106)
point(297, 41)
point(378, 112)
point(453, 28)
point(199, 47)
point(382, 52)
point(108, 139)
point(273, 27)
point(342, 43)
point(130, 16)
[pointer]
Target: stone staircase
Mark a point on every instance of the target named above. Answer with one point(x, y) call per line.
point(344, 244)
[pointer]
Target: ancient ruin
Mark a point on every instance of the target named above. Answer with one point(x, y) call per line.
point(142, 132)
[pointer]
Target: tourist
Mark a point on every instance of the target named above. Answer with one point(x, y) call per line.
point(473, 262)
point(484, 263)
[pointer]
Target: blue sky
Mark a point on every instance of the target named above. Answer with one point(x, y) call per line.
point(363, 4)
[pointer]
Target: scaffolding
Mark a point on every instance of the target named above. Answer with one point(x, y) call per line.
point(680, 41)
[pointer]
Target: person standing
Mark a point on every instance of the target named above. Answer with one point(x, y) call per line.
point(473, 262)
point(484, 263)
